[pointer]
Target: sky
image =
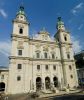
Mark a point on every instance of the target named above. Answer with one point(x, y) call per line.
point(42, 13)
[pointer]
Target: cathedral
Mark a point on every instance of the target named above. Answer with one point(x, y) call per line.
point(40, 63)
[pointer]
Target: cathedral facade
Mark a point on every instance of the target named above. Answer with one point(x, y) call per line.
point(40, 62)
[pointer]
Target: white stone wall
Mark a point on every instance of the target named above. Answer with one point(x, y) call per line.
point(43, 73)
point(66, 48)
point(4, 73)
point(17, 26)
point(40, 43)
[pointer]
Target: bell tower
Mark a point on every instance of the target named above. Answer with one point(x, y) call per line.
point(19, 57)
point(20, 23)
point(20, 34)
point(67, 56)
point(60, 24)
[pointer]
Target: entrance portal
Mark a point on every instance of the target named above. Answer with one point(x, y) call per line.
point(2, 86)
point(38, 83)
point(55, 79)
point(47, 83)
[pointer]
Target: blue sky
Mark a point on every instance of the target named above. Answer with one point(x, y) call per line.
point(42, 13)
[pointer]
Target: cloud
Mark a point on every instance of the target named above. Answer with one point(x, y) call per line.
point(33, 33)
point(3, 13)
point(76, 44)
point(4, 53)
point(5, 48)
point(79, 28)
point(4, 60)
point(77, 8)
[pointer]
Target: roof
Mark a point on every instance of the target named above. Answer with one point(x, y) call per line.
point(21, 11)
point(43, 31)
point(4, 68)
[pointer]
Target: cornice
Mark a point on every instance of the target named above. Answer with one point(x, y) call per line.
point(20, 58)
point(15, 37)
point(22, 22)
point(64, 43)
point(66, 60)
point(34, 59)
point(40, 41)
point(61, 30)
point(51, 60)
point(32, 41)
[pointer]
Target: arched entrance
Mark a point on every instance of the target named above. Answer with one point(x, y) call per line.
point(2, 86)
point(55, 79)
point(47, 83)
point(38, 83)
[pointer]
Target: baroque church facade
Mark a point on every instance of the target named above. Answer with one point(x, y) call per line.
point(39, 63)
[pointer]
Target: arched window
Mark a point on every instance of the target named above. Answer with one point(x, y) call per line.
point(21, 31)
point(2, 86)
point(21, 16)
point(53, 56)
point(70, 67)
point(55, 79)
point(71, 76)
point(65, 38)
point(38, 83)
point(38, 55)
point(45, 55)
point(68, 56)
point(47, 83)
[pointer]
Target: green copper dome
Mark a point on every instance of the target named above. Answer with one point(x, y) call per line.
point(60, 21)
point(21, 11)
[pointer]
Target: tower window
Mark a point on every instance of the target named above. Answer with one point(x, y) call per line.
point(70, 67)
point(65, 38)
point(18, 78)
point(21, 16)
point(20, 52)
point(68, 56)
point(19, 66)
point(45, 55)
point(71, 76)
point(38, 67)
point(21, 31)
point(54, 67)
point(46, 67)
